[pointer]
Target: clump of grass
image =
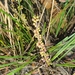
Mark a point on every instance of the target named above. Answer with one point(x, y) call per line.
point(15, 36)
point(17, 32)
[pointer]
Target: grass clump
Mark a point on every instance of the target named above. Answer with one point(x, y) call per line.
point(35, 35)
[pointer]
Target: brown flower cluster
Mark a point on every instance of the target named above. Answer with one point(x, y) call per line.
point(40, 44)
